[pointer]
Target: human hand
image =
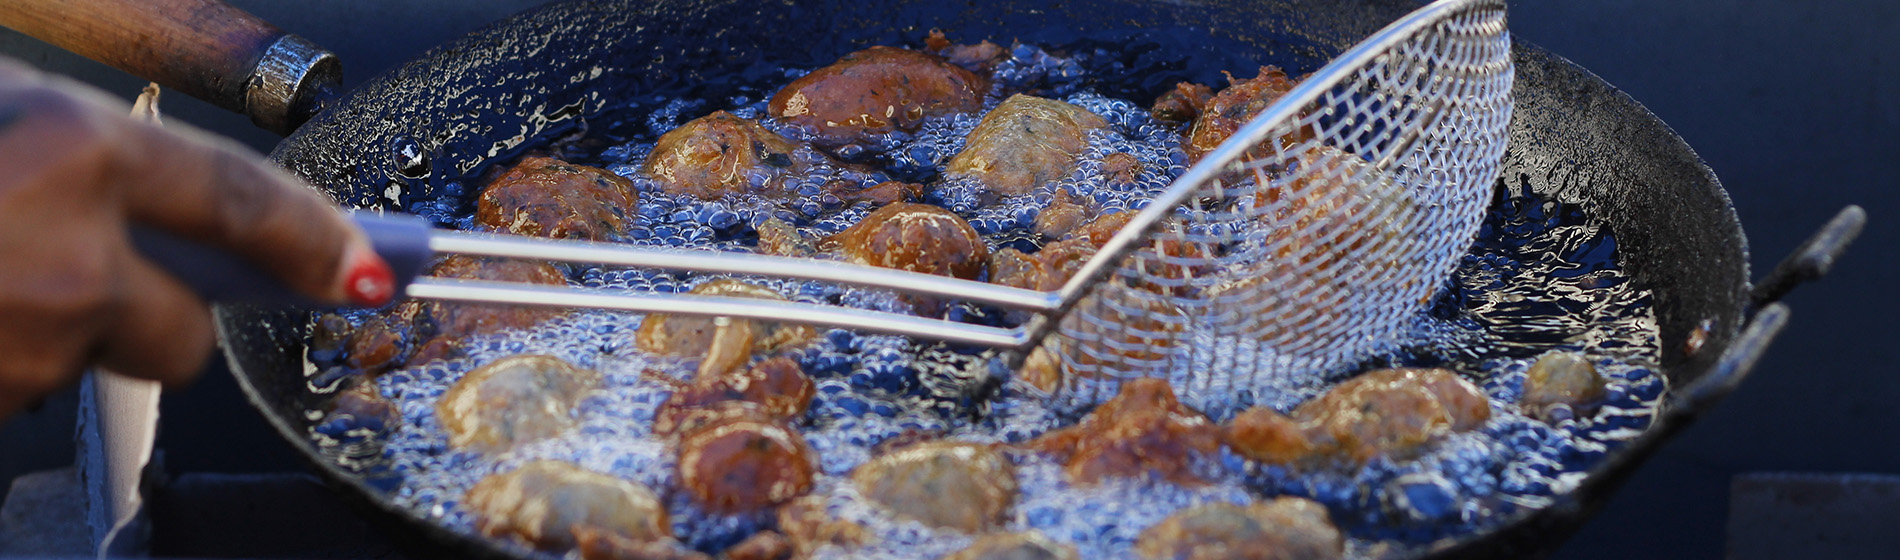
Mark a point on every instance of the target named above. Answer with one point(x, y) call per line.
point(74, 172)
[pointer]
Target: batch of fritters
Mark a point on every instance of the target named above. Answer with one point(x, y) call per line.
point(740, 395)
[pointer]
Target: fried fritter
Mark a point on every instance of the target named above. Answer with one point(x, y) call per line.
point(720, 153)
point(1183, 104)
point(1030, 545)
point(721, 344)
point(1282, 529)
point(917, 238)
point(1566, 379)
point(1230, 109)
point(1388, 412)
point(551, 505)
point(1144, 430)
point(1024, 143)
point(963, 486)
point(876, 91)
point(547, 197)
point(777, 387)
point(744, 463)
point(511, 401)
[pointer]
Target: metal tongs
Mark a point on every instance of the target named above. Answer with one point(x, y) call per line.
point(408, 243)
point(613, 254)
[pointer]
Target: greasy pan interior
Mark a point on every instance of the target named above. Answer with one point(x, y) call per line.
point(542, 73)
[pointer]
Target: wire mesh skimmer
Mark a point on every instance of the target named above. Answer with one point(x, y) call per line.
point(1301, 245)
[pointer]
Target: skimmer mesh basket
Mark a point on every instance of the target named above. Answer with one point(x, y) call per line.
point(1309, 240)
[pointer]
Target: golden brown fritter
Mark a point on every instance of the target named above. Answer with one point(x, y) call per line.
point(879, 194)
point(763, 545)
point(1144, 430)
point(1135, 336)
point(782, 239)
point(1230, 109)
point(963, 486)
point(744, 463)
point(1063, 215)
point(981, 58)
point(547, 197)
point(1265, 435)
point(547, 504)
point(1056, 262)
point(1121, 168)
point(1042, 369)
point(454, 322)
point(512, 401)
point(810, 526)
point(917, 238)
point(1561, 378)
point(778, 387)
point(1334, 193)
point(1334, 234)
point(416, 332)
point(1285, 528)
point(877, 91)
point(1046, 270)
point(721, 344)
point(1388, 412)
point(719, 154)
point(497, 270)
point(461, 319)
point(1010, 267)
point(387, 339)
point(1023, 143)
point(602, 545)
point(1099, 230)
point(330, 335)
point(1030, 545)
point(1182, 104)
point(364, 406)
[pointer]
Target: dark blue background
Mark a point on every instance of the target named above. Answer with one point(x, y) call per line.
point(1794, 104)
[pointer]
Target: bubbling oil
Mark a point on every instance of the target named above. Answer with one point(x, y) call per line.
point(1542, 277)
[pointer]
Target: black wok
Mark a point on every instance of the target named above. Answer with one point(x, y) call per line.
point(403, 139)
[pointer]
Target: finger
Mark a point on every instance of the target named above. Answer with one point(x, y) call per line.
point(214, 191)
point(56, 282)
point(163, 331)
point(35, 360)
point(13, 71)
point(207, 189)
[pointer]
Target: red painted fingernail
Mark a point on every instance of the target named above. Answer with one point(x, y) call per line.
point(369, 282)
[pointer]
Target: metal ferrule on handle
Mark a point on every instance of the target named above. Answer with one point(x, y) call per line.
point(293, 79)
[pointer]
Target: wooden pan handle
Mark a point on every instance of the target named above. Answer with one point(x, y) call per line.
point(202, 48)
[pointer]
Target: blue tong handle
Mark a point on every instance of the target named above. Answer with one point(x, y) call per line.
point(221, 277)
